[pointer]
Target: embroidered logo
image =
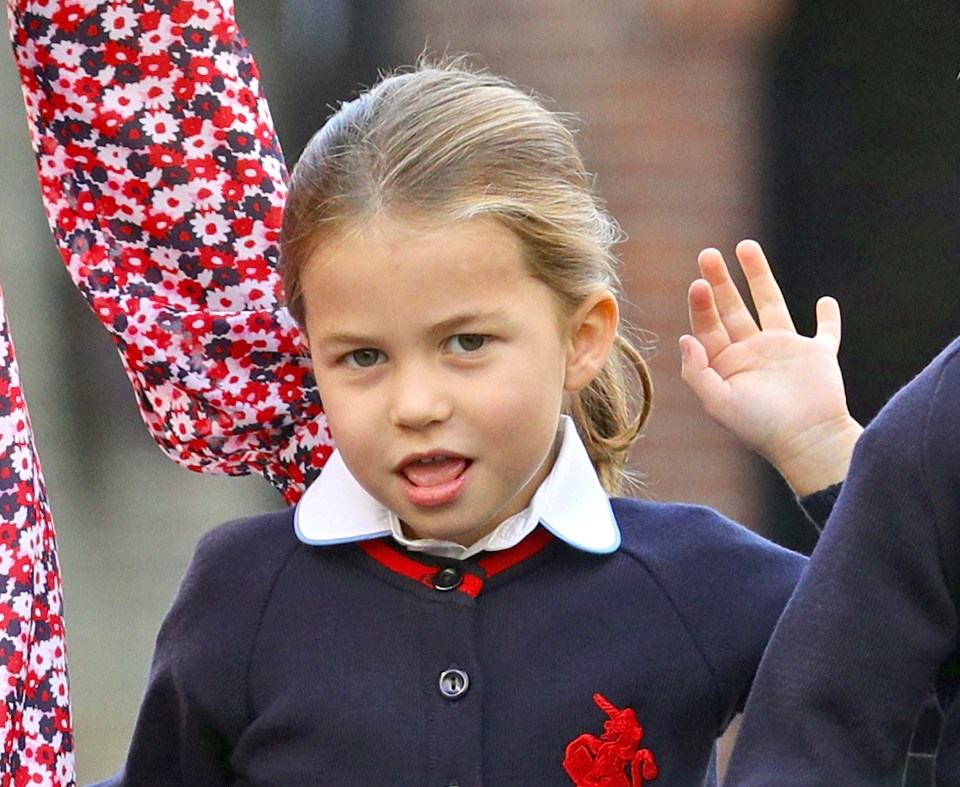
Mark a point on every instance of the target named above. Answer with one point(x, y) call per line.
point(614, 759)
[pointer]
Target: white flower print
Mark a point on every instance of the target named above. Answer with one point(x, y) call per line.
point(119, 21)
point(161, 127)
point(210, 228)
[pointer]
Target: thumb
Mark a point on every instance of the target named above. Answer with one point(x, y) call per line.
point(828, 322)
point(696, 372)
point(693, 357)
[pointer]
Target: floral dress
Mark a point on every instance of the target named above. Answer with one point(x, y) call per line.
point(163, 183)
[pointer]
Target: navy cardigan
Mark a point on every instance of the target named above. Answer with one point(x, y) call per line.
point(287, 664)
point(873, 626)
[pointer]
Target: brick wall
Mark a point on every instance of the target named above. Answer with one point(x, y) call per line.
point(667, 98)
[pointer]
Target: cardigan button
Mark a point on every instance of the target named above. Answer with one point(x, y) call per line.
point(448, 579)
point(454, 683)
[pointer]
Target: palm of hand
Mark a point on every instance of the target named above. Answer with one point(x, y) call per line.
point(776, 390)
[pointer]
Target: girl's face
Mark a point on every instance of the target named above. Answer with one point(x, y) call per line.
point(442, 366)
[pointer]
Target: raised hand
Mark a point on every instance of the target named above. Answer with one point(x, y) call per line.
point(165, 184)
point(779, 392)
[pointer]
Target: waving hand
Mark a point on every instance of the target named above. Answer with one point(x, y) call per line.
point(778, 391)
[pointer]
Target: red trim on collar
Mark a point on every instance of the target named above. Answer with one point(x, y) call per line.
point(472, 585)
point(382, 550)
point(495, 562)
point(386, 553)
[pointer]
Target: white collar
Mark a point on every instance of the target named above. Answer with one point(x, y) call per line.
point(570, 503)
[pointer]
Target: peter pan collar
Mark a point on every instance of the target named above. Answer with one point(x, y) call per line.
point(570, 503)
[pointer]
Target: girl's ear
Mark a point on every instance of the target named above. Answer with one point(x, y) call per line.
point(593, 330)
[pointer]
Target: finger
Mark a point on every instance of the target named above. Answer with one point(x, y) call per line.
point(705, 322)
point(732, 310)
point(767, 297)
point(828, 322)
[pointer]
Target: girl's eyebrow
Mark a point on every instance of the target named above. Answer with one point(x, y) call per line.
point(457, 321)
point(353, 339)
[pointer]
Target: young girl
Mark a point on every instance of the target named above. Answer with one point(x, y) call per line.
point(164, 182)
point(456, 599)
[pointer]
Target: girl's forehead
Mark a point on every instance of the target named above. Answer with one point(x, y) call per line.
point(402, 221)
point(390, 246)
point(440, 274)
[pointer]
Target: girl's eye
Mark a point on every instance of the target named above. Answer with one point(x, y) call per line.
point(467, 342)
point(363, 359)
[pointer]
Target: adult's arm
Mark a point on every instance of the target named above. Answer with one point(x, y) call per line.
point(874, 617)
point(36, 730)
point(163, 183)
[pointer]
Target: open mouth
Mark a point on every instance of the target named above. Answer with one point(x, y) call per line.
point(434, 480)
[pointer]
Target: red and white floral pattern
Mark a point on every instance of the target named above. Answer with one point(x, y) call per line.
point(163, 183)
point(35, 727)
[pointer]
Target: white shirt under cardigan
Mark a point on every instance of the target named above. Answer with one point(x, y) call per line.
point(570, 503)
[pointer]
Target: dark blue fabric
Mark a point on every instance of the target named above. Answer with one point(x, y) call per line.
point(873, 623)
point(286, 664)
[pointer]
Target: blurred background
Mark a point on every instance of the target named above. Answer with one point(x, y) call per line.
point(828, 130)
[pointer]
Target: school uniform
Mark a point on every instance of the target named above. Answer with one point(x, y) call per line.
point(873, 624)
point(309, 646)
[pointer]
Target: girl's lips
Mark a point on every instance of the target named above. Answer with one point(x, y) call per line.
point(434, 481)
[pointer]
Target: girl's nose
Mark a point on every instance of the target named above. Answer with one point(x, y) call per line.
point(418, 401)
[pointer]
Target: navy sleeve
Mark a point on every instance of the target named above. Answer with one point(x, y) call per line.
point(872, 620)
point(729, 586)
point(819, 505)
point(196, 703)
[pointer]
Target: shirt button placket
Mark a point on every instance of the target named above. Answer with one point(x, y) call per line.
point(453, 677)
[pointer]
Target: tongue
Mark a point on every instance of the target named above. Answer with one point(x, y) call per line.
point(434, 473)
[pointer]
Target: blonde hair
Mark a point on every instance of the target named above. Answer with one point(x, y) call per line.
point(448, 142)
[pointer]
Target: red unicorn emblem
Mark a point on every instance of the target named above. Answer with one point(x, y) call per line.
point(613, 759)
